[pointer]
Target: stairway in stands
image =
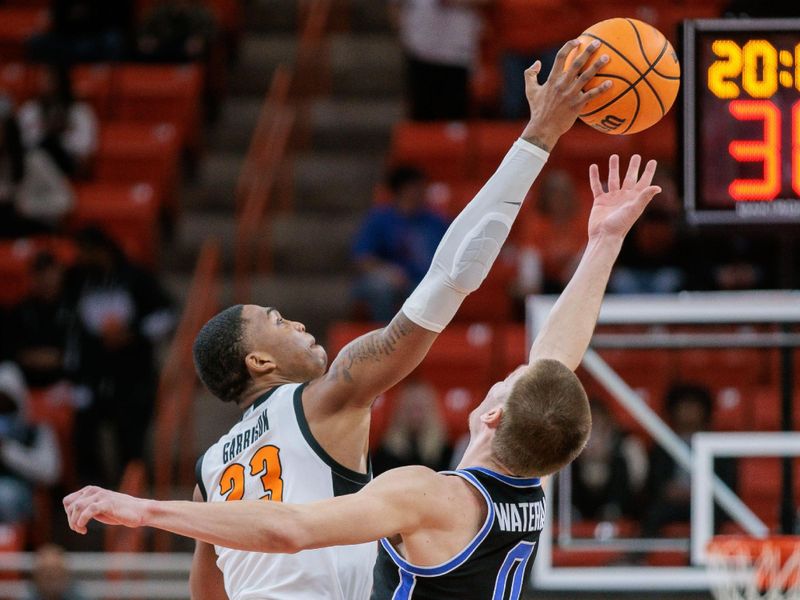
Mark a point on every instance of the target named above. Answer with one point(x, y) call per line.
point(333, 178)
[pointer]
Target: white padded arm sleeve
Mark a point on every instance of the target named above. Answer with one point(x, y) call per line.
point(471, 244)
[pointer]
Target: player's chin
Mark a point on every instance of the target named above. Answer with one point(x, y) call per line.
point(320, 358)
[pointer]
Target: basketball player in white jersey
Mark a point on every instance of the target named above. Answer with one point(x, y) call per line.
point(305, 442)
point(471, 533)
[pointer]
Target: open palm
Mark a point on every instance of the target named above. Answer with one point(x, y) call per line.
point(615, 211)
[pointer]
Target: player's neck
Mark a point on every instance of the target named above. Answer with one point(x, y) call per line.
point(479, 454)
point(256, 391)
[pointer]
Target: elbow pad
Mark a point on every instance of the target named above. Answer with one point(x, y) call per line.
point(474, 239)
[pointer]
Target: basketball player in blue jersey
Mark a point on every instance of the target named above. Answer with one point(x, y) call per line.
point(300, 442)
point(471, 533)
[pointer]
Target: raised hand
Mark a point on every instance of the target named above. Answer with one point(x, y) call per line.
point(104, 506)
point(615, 211)
point(557, 103)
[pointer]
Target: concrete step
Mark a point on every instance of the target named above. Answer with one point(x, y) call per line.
point(237, 121)
point(367, 65)
point(316, 300)
point(357, 125)
point(271, 16)
point(259, 55)
point(192, 231)
point(312, 244)
point(330, 182)
point(214, 188)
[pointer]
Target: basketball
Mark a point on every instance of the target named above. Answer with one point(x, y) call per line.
point(644, 72)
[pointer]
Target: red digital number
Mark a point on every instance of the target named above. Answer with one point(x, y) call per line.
point(766, 150)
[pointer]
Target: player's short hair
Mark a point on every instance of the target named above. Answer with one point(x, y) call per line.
point(546, 421)
point(219, 354)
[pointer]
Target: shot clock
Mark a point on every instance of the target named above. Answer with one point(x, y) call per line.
point(741, 130)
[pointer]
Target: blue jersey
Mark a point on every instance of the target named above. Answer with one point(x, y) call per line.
point(494, 566)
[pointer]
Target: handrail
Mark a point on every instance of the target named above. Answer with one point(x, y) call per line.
point(177, 384)
point(252, 238)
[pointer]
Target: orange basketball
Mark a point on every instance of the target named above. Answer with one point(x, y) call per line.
point(644, 72)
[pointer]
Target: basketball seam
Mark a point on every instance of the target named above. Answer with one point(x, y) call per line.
point(644, 54)
point(615, 98)
point(636, 111)
point(633, 66)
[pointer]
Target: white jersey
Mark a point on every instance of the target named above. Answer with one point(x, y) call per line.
point(271, 454)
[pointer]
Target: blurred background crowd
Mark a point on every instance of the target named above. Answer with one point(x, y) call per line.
point(133, 131)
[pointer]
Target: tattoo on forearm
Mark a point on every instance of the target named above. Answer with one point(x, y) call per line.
point(372, 347)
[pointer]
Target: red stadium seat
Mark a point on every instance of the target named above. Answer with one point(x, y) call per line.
point(661, 140)
point(511, 348)
point(154, 94)
point(719, 369)
point(16, 81)
point(128, 212)
point(450, 197)
point(732, 409)
point(460, 357)
point(135, 152)
point(439, 149)
point(15, 257)
point(17, 24)
point(93, 84)
point(528, 26)
point(342, 333)
point(491, 141)
point(456, 403)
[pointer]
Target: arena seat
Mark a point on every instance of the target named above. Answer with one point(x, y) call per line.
point(342, 333)
point(456, 403)
point(661, 140)
point(439, 149)
point(491, 141)
point(127, 212)
point(732, 409)
point(16, 81)
point(460, 357)
point(765, 409)
point(17, 24)
point(136, 152)
point(161, 93)
point(553, 21)
point(450, 197)
point(491, 302)
point(15, 257)
point(511, 348)
point(93, 84)
point(718, 369)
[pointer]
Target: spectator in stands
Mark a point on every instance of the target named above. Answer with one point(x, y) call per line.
point(656, 257)
point(668, 487)
point(84, 31)
point(61, 125)
point(51, 579)
point(440, 40)
point(122, 313)
point(395, 245)
point(176, 31)
point(417, 434)
point(39, 326)
point(29, 453)
point(609, 474)
point(34, 194)
point(551, 237)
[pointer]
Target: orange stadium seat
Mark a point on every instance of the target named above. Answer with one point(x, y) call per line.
point(519, 24)
point(765, 409)
point(450, 197)
point(342, 333)
point(719, 369)
point(439, 149)
point(136, 152)
point(491, 141)
point(511, 348)
point(128, 212)
point(17, 24)
point(93, 84)
point(155, 93)
point(491, 302)
point(16, 81)
point(460, 357)
point(15, 257)
point(456, 403)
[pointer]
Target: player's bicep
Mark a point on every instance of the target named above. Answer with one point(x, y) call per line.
point(373, 363)
point(397, 502)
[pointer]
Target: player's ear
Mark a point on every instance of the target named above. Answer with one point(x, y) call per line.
point(493, 417)
point(259, 363)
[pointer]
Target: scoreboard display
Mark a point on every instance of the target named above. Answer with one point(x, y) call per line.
point(741, 128)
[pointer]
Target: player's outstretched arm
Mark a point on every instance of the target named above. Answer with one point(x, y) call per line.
point(568, 330)
point(399, 501)
point(378, 360)
point(205, 578)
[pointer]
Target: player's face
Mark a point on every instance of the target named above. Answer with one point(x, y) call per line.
point(294, 350)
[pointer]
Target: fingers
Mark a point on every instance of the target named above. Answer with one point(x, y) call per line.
point(586, 76)
point(581, 60)
point(595, 91)
point(647, 175)
point(594, 181)
point(532, 74)
point(81, 507)
point(561, 57)
point(633, 172)
point(644, 198)
point(613, 173)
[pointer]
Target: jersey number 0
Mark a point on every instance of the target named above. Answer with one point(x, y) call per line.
point(266, 463)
